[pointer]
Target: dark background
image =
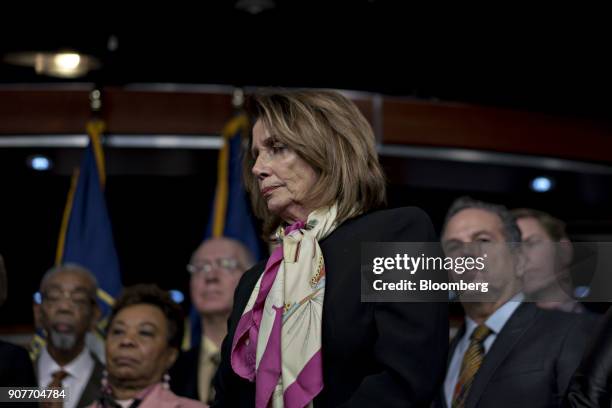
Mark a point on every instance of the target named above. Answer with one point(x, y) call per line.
point(159, 209)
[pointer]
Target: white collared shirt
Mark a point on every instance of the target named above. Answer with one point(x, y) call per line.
point(79, 371)
point(496, 323)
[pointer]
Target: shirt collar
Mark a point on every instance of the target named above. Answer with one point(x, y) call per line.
point(498, 319)
point(81, 364)
point(208, 347)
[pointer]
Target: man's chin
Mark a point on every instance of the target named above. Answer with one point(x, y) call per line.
point(214, 310)
point(62, 340)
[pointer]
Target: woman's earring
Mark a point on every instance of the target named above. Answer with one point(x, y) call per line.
point(166, 381)
point(105, 386)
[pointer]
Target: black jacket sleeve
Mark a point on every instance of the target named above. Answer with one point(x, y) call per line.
point(591, 385)
point(412, 338)
point(16, 368)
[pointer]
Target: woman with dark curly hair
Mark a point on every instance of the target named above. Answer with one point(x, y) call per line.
point(144, 335)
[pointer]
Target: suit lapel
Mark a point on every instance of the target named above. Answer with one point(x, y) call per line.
point(506, 340)
point(91, 392)
point(453, 344)
point(451, 350)
point(35, 364)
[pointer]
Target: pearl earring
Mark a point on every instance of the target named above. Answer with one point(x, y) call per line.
point(166, 381)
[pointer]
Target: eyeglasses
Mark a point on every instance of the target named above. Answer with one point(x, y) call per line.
point(79, 298)
point(227, 265)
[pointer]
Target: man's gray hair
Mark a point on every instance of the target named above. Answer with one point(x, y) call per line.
point(510, 227)
point(70, 267)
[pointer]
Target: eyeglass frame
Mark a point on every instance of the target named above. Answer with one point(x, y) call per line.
point(67, 295)
point(208, 266)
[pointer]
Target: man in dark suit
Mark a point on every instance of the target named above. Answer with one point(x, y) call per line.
point(67, 312)
point(15, 364)
point(508, 353)
point(215, 268)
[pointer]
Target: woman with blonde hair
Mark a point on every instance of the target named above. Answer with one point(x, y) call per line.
point(299, 334)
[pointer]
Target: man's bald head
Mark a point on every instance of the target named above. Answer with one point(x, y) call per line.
point(70, 268)
point(227, 246)
point(216, 267)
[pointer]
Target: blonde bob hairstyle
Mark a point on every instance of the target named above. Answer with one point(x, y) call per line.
point(328, 131)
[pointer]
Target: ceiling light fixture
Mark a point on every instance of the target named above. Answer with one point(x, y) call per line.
point(63, 64)
point(39, 162)
point(541, 184)
point(255, 6)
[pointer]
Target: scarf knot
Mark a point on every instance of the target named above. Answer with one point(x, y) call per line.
point(277, 343)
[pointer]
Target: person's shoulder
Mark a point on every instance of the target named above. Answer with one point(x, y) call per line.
point(400, 214)
point(566, 321)
point(255, 270)
point(190, 403)
point(161, 396)
point(10, 347)
point(183, 402)
point(249, 278)
point(16, 367)
point(396, 224)
point(10, 350)
point(562, 316)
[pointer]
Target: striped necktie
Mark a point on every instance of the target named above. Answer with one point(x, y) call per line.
point(472, 359)
point(56, 382)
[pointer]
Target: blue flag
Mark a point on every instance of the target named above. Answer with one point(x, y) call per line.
point(231, 214)
point(86, 236)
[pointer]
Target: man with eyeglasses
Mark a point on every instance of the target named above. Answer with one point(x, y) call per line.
point(215, 269)
point(68, 310)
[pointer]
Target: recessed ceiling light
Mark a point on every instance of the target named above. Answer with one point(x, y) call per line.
point(541, 184)
point(39, 162)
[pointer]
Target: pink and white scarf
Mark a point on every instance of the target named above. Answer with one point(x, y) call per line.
point(277, 342)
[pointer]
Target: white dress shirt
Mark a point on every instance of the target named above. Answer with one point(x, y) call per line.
point(79, 371)
point(496, 323)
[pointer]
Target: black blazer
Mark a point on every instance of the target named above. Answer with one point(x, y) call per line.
point(531, 361)
point(184, 374)
point(93, 390)
point(591, 385)
point(16, 368)
point(374, 354)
